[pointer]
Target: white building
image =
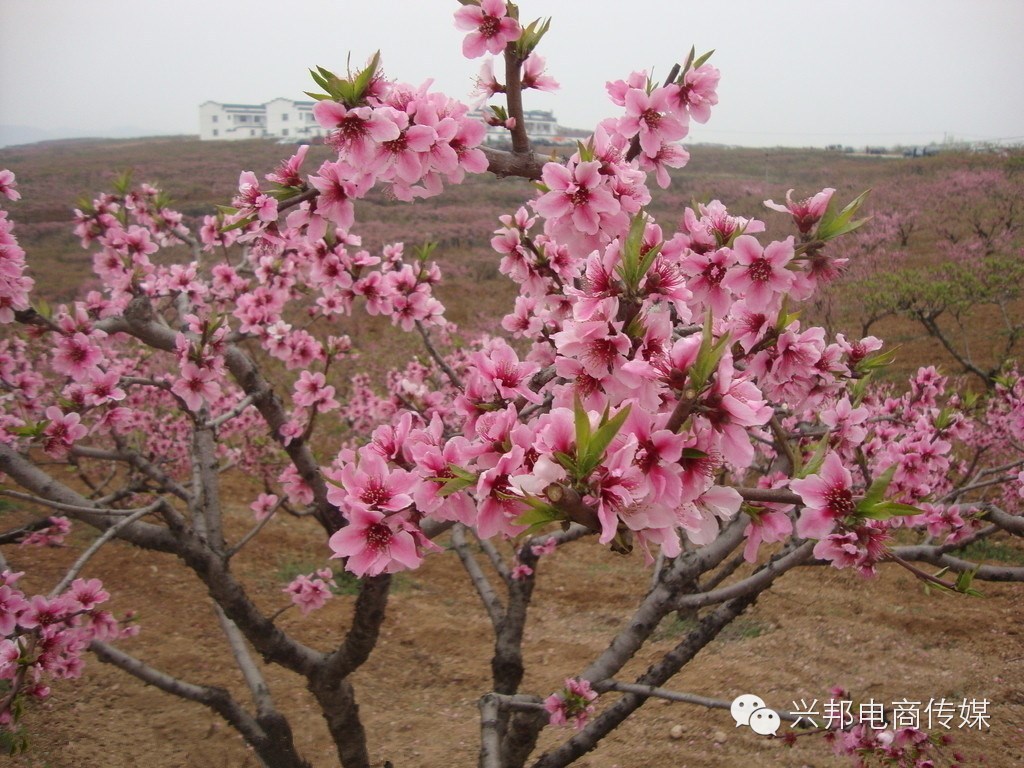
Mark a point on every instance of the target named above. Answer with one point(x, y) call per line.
point(287, 119)
point(541, 127)
point(279, 119)
point(227, 122)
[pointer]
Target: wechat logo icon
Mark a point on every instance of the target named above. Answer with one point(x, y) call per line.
point(750, 710)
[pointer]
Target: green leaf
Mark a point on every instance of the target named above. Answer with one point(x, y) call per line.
point(629, 267)
point(876, 492)
point(709, 355)
point(600, 441)
point(686, 64)
point(944, 418)
point(817, 458)
point(238, 224)
point(531, 36)
point(123, 182)
point(883, 510)
point(364, 78)
point(586, 150)
point(877, 360)
point(462, 479)
point(582, 423)
point(567, 462)
point(423, 252)
point(319, 79)
point(538, 516)
point(703, 59)
point(648, 259)
point(834, 224)
point(43, 307)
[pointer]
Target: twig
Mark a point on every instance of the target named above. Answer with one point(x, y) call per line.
point(243, 658)
point(73, 508)
point(106, 536)
point(432, 351)
point(493, 555)
point(226, 417)
point(216, 698)
point(492, 603)
point(253, 532)
point(685, 698)
point(984, 572)
point(782, 441)
point(1012, 523)
point(770, 495)
point(753, 584)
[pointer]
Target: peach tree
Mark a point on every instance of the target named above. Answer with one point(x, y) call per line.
point(653, 386)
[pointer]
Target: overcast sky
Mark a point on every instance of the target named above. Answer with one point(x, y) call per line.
point(794, 72)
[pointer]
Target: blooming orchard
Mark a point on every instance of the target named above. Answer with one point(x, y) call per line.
point(655, 386)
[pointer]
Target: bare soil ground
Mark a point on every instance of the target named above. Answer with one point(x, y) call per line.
point(882, 639)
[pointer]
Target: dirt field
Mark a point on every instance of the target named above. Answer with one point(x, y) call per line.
point(883, 639)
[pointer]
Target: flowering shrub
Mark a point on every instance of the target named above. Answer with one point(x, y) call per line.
point(655, 387)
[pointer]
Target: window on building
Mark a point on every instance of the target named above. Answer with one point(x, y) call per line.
point(284, 131)
point(284, 117)
point(216, 132)
point(214, 120)
point(243, 118)
point(252, 131)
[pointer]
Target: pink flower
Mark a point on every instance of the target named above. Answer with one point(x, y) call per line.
point(12, 603)
point(372, 484)
point(760, 274)
point(520, 572)
point(534, 75)
point(265, 504)
point(548, 547)
point(502, 370)
point(76, 356)
point(10, 652)
point(8, 184)
point(827, 497)
point(574, 702)
point(647, 114)
point(708, 271)
point(251, 200)
point(698, 92)
point(287, 173)
point(86, 594)
point(860, 548)
point(63, 431)
point(805, 213)
point(196, 386)
point(336, 192)
point(375, 543)
point(576, 193)
point(768, 526)
point(489, 25)
point(309, 594)
point(313, 391)
point(486, 84)
point(358, 130)
point(104, 388)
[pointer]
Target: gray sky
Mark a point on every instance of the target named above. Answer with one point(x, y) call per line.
point(794, 72)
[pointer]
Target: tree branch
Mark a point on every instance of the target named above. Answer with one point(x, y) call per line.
point(685, 698)
point(492, 603)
